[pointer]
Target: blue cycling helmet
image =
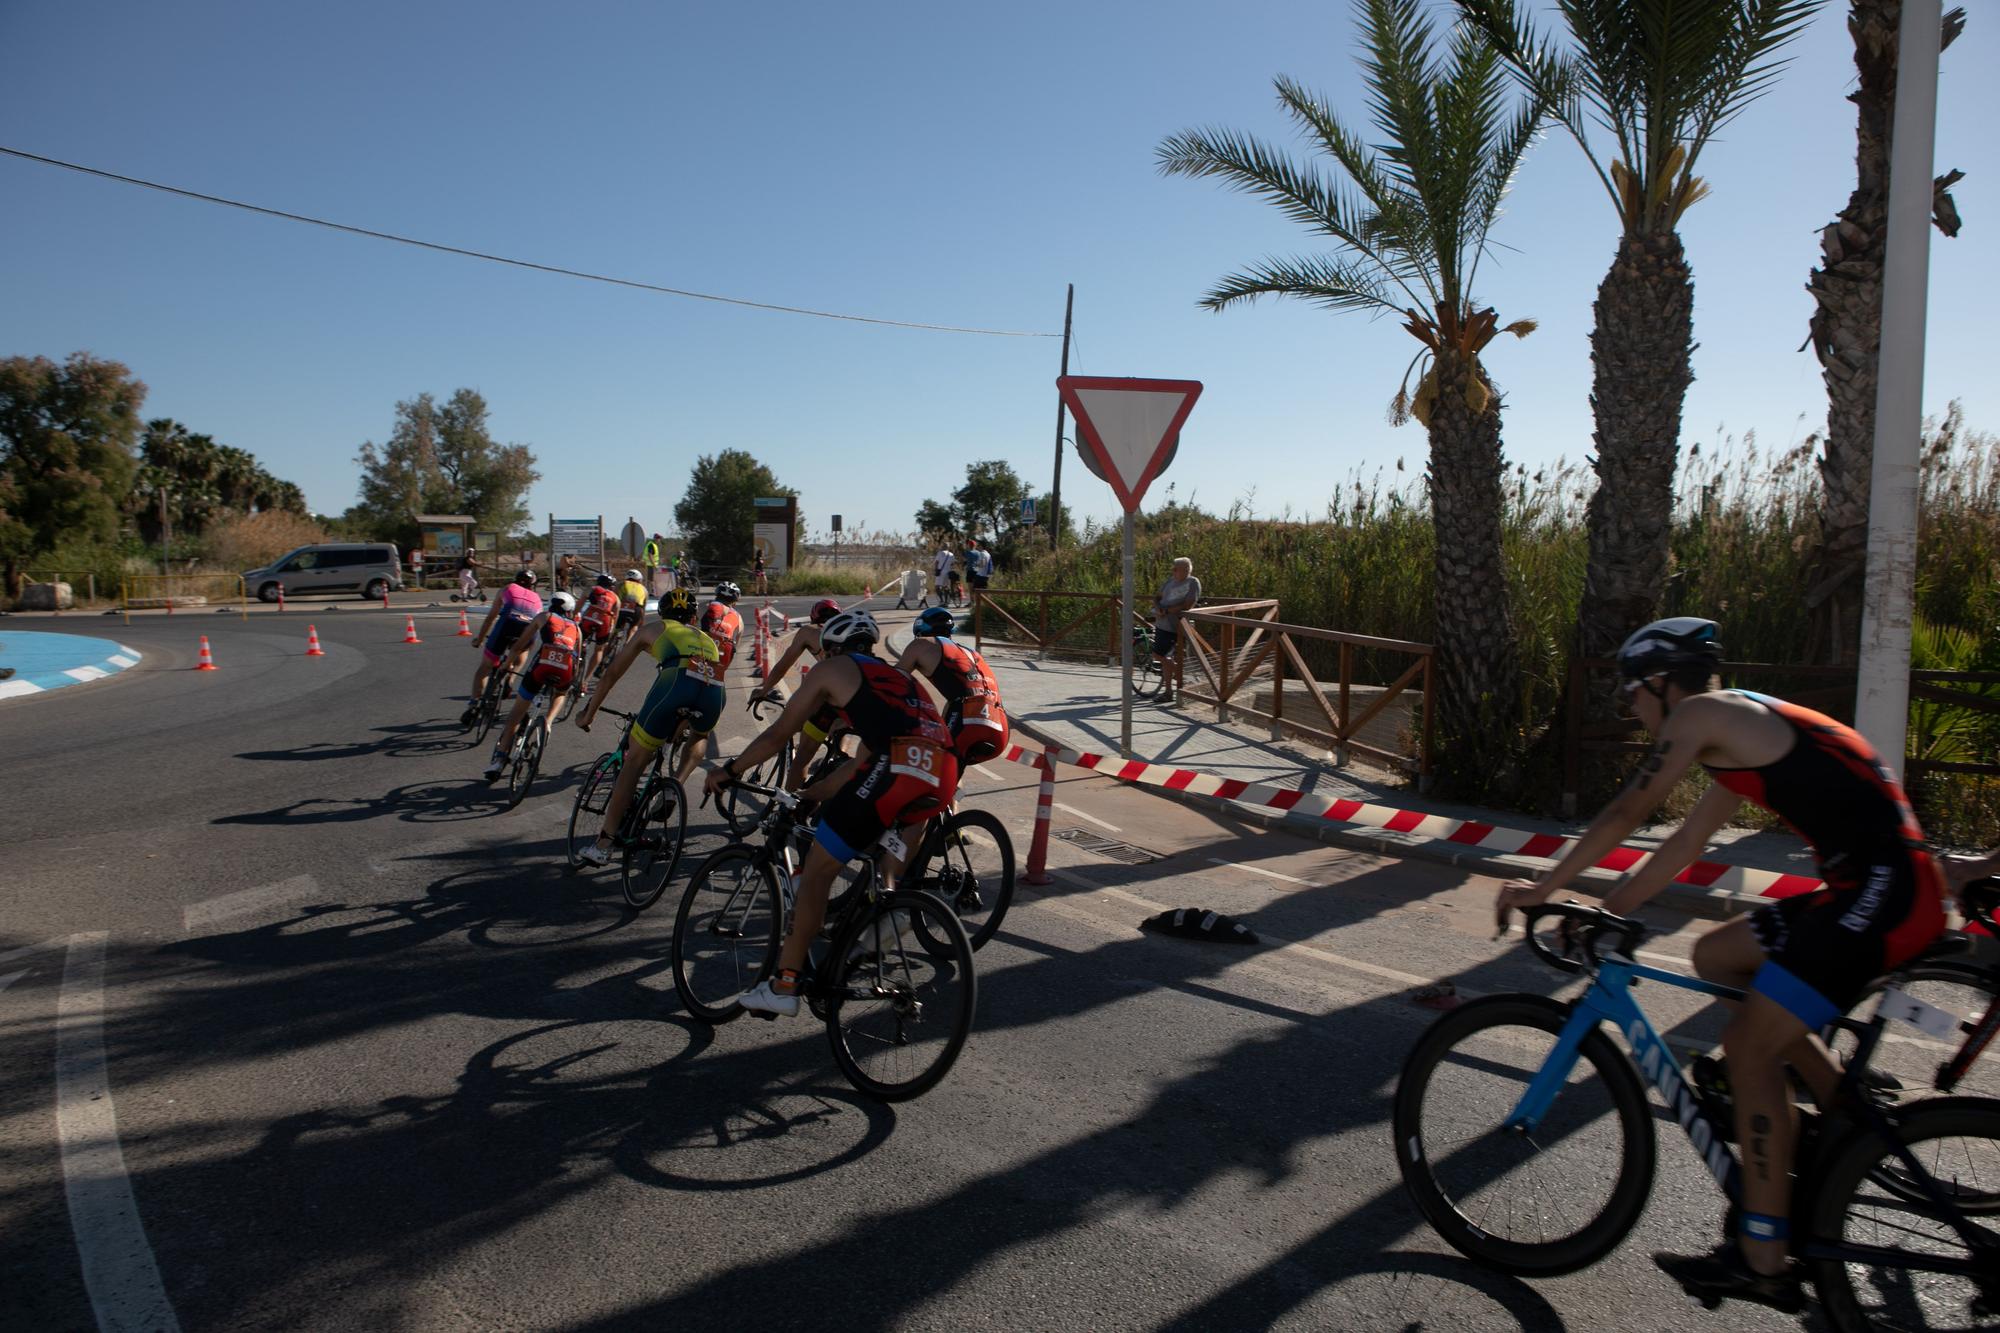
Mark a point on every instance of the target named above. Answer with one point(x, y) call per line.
point(937, 622)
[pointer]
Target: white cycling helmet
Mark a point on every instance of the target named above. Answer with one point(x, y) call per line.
point(848, 630)
point(563, 604)
point(633, 575)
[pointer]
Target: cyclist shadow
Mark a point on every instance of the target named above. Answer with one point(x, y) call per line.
point(415, 742)
point(416, 803)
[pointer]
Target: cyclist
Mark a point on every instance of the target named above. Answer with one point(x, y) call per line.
point(632, 601)
point(1804, 960)
point(805, 640)
point(905, 773)
point(513, 607)
point(556, 641)
point(972, 710)
point(600, 613)
point(688, 681)
point(721, 622)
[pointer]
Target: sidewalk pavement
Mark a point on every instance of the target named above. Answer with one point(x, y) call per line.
point(1075, 705)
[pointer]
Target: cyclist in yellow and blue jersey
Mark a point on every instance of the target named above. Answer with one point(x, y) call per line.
point(631, 600)
point(686, 698)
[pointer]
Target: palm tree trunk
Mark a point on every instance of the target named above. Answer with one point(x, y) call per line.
point(1479, 683)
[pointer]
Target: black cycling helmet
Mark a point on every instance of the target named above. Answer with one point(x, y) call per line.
point(727, 592)
point(677, 604)
point(606, 581)
point(1682, 645)
point(526, 578)
point(824, 610)
point(937, 622)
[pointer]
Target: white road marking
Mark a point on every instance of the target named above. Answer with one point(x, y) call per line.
point(13, 977)
point(979, 770)
point(119, 659)
point(9, 688)
point(1072, 810)
point(86, 673)
point(58, 942)
point(1255, 870)
point(200, 916)
point(119, 1271)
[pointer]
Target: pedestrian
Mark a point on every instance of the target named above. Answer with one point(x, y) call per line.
point(566, 574)
point(651, 563)
point(1178, 596)
point(941, 573)
point(417, 566)
point(468, 578)
point(978, 565)
point(757, 574)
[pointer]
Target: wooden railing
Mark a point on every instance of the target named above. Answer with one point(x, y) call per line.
point(1228, 666)
point(1062, 607)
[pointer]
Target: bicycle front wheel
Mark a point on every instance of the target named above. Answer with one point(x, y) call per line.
point(727, 932)
point(968, 863)
point(1865, 1198)
point(1541, 1203)
point(591, 798)
point(654, 850)
point(741, 810)
point(896, 1016)
point(527, 761)
point(1915, 1059)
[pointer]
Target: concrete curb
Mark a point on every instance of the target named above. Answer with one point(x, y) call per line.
point(97, 666)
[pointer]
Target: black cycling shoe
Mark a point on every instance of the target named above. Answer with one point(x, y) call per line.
point(1724, 1274)
point(469, 716)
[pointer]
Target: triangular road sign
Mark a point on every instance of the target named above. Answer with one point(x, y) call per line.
point(1130, 425)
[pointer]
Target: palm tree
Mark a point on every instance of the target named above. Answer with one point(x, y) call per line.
point(1409, 220)
point(1659, 78)
point(1847, 329)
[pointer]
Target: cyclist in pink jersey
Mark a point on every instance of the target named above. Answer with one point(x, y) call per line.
point(515, 608)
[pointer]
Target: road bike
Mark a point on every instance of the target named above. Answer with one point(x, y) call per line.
point(524, 756)
point(651, 834)
point(486, 711)
point(896, 1016)
point(741, 809)
point(1523, 1134)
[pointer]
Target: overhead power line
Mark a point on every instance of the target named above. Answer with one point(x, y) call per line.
point(503, 259)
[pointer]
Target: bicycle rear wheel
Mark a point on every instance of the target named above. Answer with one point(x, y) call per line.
point(527, 762)
point(1864, 1198)
point(1915, 1059)
point(489, 705)
point(968, 863)
point(896, 1016)
point(658, 829)
point(741, 810)
point(1537, 1204)
point(727, 932)
point(591, 797)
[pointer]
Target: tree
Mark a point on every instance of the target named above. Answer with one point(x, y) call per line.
point(1660, 79)
point(442, 460)
point(935, 521)
point(719, 508)
point(67, 455)
point(1410, 223)
point(1846, 330)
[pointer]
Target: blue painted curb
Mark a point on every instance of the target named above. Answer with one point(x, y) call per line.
point(44, 662)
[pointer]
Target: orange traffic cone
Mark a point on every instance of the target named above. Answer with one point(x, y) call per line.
point(206, 663)
point(464, 630)
point(312, 643)
point(410, 630)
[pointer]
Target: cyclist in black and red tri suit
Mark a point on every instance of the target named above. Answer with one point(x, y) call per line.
point(904, 773)
point(972, 709)
point(1804, 960)
point(721, 621)
point(805, 642)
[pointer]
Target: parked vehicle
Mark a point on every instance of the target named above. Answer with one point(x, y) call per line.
point(370, 569)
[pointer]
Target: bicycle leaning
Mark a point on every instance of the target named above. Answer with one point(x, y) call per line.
point(1502, 1101)
point(650, 837)
point(896, 1016)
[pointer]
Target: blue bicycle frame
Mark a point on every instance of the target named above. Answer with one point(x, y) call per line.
point(1609, 1000)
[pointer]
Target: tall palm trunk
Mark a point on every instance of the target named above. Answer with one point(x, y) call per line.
point(1847, 335)
point(1479, 683)
point(1641, 351)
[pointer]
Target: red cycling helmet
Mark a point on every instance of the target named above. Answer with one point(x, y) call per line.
point(824, 610)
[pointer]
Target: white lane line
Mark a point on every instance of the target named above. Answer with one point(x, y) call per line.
point(122, 661)
point(13, 977)
point(980, 771)
point(1254, 870)
point(86, 673)
point(60, 941)
point(1072, 810)
point(200, 916)
point(119, 1271)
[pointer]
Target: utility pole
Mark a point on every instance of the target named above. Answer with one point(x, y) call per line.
point(1055, 489)
point(1882, 694)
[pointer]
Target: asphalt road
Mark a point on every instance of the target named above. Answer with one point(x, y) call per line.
point(377, 1060)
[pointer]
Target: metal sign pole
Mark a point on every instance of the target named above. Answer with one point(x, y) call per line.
point(1125, 704)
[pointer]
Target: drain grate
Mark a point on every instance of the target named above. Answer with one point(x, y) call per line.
point(1106, 847)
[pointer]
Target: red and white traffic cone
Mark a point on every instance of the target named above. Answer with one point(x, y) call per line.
point(464, 630)
point(206, 662)
point(410, 630)
point(312, 643)
point(1038, 850)
point(385, 597)
point(281, 599)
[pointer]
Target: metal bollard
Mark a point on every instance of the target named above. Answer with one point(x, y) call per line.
point(1038, 850)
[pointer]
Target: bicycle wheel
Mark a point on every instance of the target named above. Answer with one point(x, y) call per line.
point(654, 849)
point(1537, 1204)
point(527, 760)
point(727, 932)
point(897, 1017)
point(1913, 1058)
point(591, 797)
point(968, 862)
point(1957, 1141)
point(489, 707)
point(740, 810)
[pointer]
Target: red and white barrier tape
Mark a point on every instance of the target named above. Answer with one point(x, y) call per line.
point(1463, 832)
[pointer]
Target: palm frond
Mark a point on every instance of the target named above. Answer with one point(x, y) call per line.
point(1323, 280)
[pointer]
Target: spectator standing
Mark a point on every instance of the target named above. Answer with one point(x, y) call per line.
point(1178, 596)
point(758, 575)
point(978, 564)
point(566, 574)
point(651, 561)
point(941, 573)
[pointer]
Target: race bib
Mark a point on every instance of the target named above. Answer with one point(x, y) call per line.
point(893, 845)
point(700, 668)
point(916, 757)
point(553, 656)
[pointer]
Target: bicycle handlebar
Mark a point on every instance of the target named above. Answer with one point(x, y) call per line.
point(1589, 924)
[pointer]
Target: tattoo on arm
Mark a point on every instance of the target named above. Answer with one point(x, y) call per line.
point(1650, 769)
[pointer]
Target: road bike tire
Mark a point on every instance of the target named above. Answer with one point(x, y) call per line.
point(526, 762)
point(727, 932)
point(741, 811)
point(593, 794)
point(657, 837)
point(489, 708)
point(1958, 1140)
point(897, 1017)
point(1456, 1178)
point(968, 863)
point(1957, 985)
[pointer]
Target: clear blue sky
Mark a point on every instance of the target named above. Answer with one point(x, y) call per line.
point(944, 164)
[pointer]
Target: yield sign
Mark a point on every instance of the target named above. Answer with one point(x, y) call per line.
point(1129, 425)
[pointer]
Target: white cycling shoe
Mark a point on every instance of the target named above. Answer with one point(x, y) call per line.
point(761, 999)
point(594, 854)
